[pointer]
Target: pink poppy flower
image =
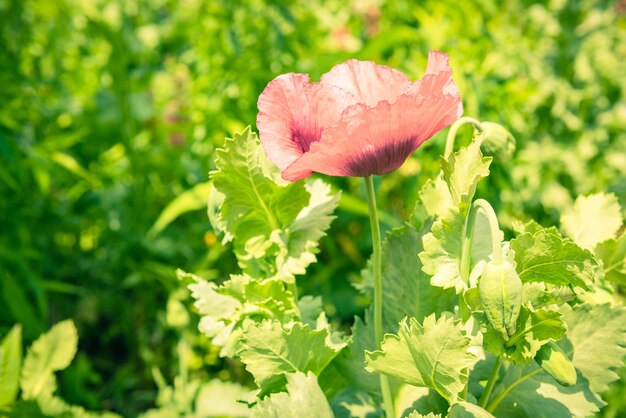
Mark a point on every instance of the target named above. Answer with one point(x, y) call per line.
point(360, 119)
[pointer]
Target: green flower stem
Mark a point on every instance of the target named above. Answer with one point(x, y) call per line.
point(466, 251)
point(491, 383)
point(494, 227)
point(378, 289)
point(454, 128)
point(468, 236)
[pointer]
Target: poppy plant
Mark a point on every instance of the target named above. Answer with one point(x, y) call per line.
point(360, 119)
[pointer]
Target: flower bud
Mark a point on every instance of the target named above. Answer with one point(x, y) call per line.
point(501, 294)
point(554, 361)
point(497, 141)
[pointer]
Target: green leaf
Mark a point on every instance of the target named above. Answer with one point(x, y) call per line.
point(435, 355)
point(351, 360)
point(462, 171)
point(407, 290)
point(612, 253)
point(275, 225)
point(592, 220)
point(597, 335)
point(51, 352)
point(443, 247)
point(435, 197)
point(190, 200)
point(219, 399)
point(409, 399)
point(468, 410)
point(416, 414)
point(534, 329)
point(254, 203)
point(304, 399)
point(269, 351)
point(10, 365)
point(223, 309)
point(544, 256)
point(351, 403)
point(529, 392)
point(309, 226)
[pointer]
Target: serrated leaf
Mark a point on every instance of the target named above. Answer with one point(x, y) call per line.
point(269, 351)
point(435, 355)
point(10, 365)
point(467, 410)
point(223, 309)
point(443, 248)
point(351, 360)
point(462, 171)
point(310, 225)
point(304, 399)
point(254, 204)
point(435, 197)
point(598, 342)
point(51, 352)
point(407, 290)
point(534, 329)
point(544, 256)
point(612, 253)
point(529, 392)
point(593, 219)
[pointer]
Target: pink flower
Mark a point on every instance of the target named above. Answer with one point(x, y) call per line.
point(360, 119)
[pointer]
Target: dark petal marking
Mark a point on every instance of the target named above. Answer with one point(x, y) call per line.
point(381, 160)
point(305, 137)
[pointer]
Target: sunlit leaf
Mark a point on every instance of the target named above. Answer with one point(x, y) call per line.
point(545, 256)
point(10, 365)
point(592, 220)
point(51, 352)
point(304, 398)
point(435, 355)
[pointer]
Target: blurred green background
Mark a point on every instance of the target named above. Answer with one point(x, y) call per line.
point(111, 109)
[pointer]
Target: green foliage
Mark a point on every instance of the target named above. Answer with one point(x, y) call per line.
point(534, 329)
point(112, 113)
point(51, 352)
point(592, 220)
point(304, 398)
point(596, 340)
point(434, 354)
point(545, 256)
point(442, 252)
point(265, 215)
point(612, 253)
point(467, 410)
point(10, 365)
point(462, 171)
point(270, 352)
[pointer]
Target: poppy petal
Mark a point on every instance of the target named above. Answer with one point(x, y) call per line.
point(376, 140)
point(293, 113)
point(437, 80)
point(368, 82)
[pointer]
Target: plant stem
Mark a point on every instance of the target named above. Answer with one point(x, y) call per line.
point(494, 228)
point(466, 252)
point(378, 289)
point(491, 383)
point(454, 128)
